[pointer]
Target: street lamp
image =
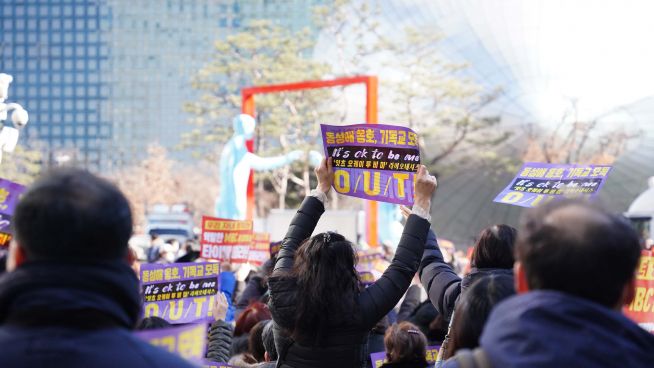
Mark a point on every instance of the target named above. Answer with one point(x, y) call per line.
point(19, 117)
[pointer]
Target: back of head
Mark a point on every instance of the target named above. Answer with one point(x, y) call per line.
point(494, 247)
point(253, 314)
point(577, 248)
point(73, 214)
point(255, 341)
point(327, 283)
point(405, 343)
point(152, 323)
point(473, 310)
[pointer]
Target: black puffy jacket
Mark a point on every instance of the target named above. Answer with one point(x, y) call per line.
point(343, 345)
point(220, 342)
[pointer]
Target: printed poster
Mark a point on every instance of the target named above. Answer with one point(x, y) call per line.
point(274, 248)
point(537, 183)
point(179, 292)
point(260, 249)
point(641, 309)
point(188, 341)
point(10, 193)
point(373, 161)
point(226, 240)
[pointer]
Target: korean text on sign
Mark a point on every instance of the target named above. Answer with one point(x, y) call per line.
point(226, 240)
point(376, 162)
point(537, 183)
point(179, 292)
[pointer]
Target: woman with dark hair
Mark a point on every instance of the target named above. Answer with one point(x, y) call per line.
point(322, 315)
point(492, 254)
point(473, 311)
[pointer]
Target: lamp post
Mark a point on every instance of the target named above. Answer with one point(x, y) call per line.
point(19, 117)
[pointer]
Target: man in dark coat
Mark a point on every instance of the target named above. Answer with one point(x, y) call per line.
point(575, 270)
point(69, 298)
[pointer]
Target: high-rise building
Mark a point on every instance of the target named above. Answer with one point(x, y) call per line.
point(102, 79)
point(57, 52)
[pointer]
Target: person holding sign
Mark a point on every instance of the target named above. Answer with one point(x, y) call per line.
point(321, 311)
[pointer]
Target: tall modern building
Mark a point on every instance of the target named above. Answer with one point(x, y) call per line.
point(57, 52)
point(102, 79)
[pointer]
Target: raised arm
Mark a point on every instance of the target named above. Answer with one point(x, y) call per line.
point(306, 219)
point(440, 281)
point(379, 298)
point(259, 163)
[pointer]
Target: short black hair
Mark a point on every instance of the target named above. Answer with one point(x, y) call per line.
point(71, 214)
point(152, 323)
point(494, 248)
point(576, 247)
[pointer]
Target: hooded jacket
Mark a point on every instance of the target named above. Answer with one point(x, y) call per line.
point(442, 284)
point(551, 329)
point(342, 345)
point(74, 315)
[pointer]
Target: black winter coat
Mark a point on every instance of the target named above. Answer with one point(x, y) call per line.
point(343, 345)
point(74, 315)
point(443, 285)
point(220, 342)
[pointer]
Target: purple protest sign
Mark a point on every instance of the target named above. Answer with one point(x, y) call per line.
point(537, 183)
point(373, 161)
point(189, 341)
point(10, 193)
point(179, 292)
point(431, 353)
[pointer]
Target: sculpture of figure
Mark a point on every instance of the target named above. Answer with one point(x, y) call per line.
point(389, 228)
point(235, 165)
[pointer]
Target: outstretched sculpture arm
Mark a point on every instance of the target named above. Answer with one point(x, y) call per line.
point(259, 163)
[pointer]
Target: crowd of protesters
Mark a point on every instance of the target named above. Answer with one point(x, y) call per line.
point(548, 294)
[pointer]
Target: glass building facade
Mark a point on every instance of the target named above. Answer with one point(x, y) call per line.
point(102, 79)
point(57, 52)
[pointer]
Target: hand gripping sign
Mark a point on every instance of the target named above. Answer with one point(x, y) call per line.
point(376, 162)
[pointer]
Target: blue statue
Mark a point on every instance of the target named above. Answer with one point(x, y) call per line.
point(389, 225)
point(235, 165)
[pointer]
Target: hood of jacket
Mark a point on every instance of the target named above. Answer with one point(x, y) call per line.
point(45, 292)
point(477, 273)
point(553, 329)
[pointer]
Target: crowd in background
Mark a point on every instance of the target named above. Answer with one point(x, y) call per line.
point(548, 294)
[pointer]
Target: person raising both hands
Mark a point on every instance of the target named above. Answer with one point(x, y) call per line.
point(322, 315)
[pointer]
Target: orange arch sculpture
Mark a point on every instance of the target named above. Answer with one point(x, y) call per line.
point(371, 83)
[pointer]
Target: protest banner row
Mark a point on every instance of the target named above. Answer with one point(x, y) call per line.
point(234, 241)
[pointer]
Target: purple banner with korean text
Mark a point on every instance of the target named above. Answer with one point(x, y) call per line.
point(179, 292)
point(538, 183)
point(373, 161)
point(431, 353)
point(188, 341)
point(10, 193)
